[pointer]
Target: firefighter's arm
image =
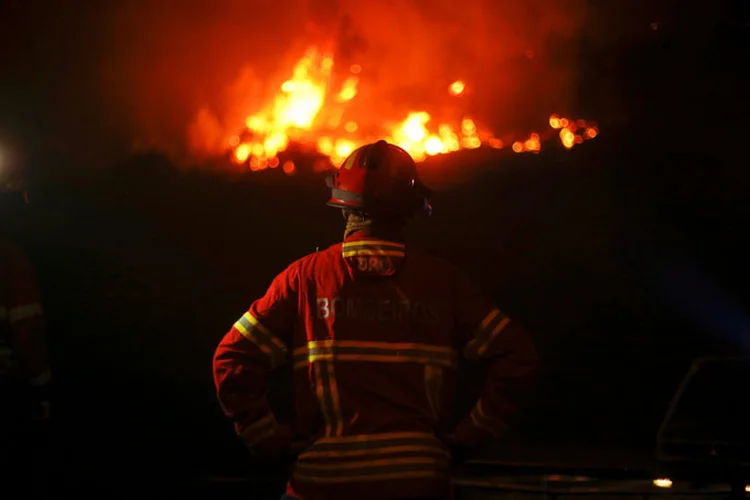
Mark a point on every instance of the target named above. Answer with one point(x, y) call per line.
point(256, 343)
point(28, 336)
point(487, 335)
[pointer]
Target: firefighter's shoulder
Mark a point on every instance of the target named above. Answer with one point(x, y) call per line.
point(304, 264)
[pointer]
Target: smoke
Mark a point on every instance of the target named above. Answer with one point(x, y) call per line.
point(176, 75)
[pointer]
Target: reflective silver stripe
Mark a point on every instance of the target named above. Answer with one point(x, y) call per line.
point(342, 195)
point(41, 379)
point(270, 344)
point(373, 351)
point(3, 314)
point(373, 457)
point(24, 312)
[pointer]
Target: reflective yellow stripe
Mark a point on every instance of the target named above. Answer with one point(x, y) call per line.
point(372, 252)
point(373, 457)
point(23, 312)
point(373, 247)
point(382, 243)
point(254, 331)
point(374, 438)
point(385, 450)
point(383, 352)
point(482, 420)
point(259, 430)
point(433, 381)
point(348, 471)
point(328, 398)
point(360, 464)
point(374, 445)
point(490, 327)
point(356, 478)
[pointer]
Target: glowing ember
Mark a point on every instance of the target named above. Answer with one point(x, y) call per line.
point(457, 88)
point(663, 482)
point(573, 132)
point(312, 108)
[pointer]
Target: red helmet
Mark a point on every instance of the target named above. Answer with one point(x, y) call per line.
point(379, 179)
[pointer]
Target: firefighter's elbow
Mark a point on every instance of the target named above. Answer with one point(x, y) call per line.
point(220, 362)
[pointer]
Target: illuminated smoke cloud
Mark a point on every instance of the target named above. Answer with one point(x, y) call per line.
point(184, 77)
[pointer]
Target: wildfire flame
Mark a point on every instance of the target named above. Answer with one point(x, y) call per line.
point(311, 106)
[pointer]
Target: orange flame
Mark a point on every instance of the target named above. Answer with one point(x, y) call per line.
point(569, 128)
point(310, 109)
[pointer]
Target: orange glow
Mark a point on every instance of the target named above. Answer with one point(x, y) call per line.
point(288, 167)
point(567, 137)
point(349, 89)
point(433, 145)
point(312, 108)
point(343, 149)
point(457, 87)
point(242, 153)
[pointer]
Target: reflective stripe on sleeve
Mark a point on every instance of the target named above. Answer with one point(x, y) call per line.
point(258, 334)
point(490, 327)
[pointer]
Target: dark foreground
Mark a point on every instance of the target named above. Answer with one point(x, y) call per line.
point(143, 270)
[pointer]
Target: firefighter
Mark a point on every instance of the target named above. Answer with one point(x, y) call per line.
point(24, 365)
point(372, 328)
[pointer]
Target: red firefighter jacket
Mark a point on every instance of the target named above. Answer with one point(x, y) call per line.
point(22, 338)
point(372, 332)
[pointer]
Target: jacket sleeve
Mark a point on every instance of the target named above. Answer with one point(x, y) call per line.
point(487, 334)
point(256, 343)
point(26, 319)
